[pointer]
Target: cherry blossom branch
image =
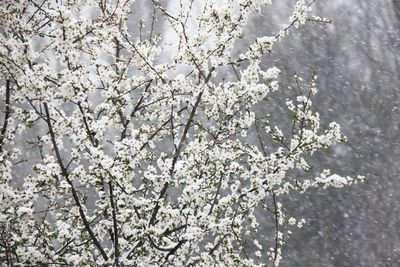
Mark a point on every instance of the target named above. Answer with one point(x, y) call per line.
point(6, 115)
point(276, 217)
point(74, 193)
point(179, 147)
point(115, 224)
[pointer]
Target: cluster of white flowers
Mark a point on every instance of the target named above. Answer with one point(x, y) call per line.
point(137, 150)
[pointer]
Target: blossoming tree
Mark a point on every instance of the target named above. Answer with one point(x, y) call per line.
point(133, 143)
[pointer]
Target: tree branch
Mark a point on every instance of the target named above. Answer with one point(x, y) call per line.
point(74, 192)
point(6, 115)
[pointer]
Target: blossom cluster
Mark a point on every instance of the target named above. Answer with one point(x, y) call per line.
point(125, 149)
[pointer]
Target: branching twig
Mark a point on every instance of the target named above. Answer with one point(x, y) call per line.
point(65, 173)
point(6, 115)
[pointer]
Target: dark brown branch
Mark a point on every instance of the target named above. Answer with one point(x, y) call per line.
point(144, 59)
point(135, 109)
point(276, 214)
point(64, 172)
point(168, 232)
point(115, 226)
point(172, 252)
point(188, 123)
point(92, 139)
point(216, 195)
point(163, 10)
point(6, 115)
point(179, 148)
